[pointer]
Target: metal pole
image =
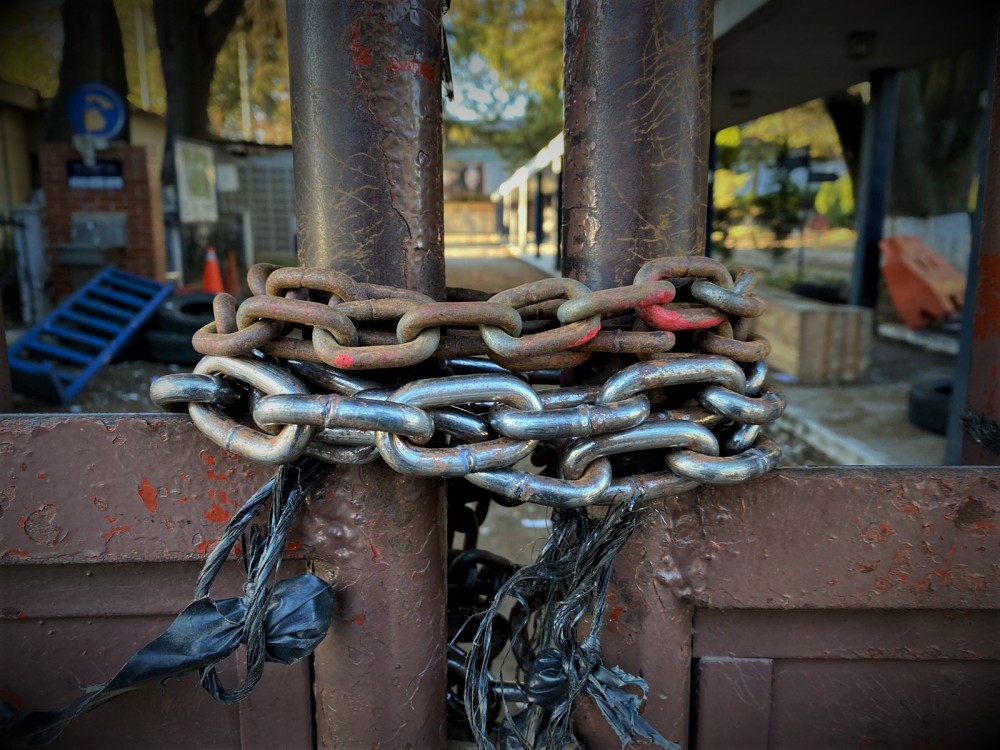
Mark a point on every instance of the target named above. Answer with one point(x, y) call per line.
point(979, 355)
point(873, 192)
point(539, 214)
point(637, 85)
point(366, 116)
point(637, 92)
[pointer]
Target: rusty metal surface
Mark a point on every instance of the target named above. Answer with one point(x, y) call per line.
point(885, 704)
point(983, 396)
point(379, 675)
point(637, 90)
point(740, 690)
point(839, 538)
point(366, 123)
point(365, 80)
point(856, 634)
point(66, 627)
point(637, 93)
point(115, 488)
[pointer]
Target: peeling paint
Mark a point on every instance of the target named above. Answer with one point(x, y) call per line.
point(148, 494)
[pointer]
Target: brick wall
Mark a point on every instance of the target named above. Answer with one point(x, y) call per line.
point(139, 200)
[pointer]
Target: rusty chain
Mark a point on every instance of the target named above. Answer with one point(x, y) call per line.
point(696, 395)
point(316, 365)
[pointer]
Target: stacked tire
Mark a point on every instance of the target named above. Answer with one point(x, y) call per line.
point(178, 319)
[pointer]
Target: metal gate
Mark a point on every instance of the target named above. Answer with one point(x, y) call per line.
point(811, 608)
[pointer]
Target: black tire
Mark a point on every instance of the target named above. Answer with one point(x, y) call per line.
point(928, 404)
point(173, 347)
point(186, 312)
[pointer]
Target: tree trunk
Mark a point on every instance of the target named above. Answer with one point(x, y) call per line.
point(937, 137)
point(190, 39)
point(92, 53)
point(847, 110)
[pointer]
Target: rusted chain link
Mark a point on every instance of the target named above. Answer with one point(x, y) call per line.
point(321, 315)
point(698, 406)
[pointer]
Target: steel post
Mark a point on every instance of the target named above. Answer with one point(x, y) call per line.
point(637, 92)
point(975, 406)
point(366, 113)
point(539, 215)
point(873, 193)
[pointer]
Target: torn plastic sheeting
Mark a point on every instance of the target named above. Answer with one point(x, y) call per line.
point(205, 633)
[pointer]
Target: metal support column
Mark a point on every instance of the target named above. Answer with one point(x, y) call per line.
point(366, 115)
point(873, 192)
point(637, 87)
point(539, 216)
point(637, 92)
point(979, 357)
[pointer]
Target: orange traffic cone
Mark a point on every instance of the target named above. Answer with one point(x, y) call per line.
point(211, 279)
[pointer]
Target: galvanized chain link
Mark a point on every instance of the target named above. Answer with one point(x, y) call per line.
point(696, 396)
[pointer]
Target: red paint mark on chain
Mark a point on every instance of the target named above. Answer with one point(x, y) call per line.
point(358, 619)
point(587, 336)
point(216, 476)
point(910, 509)
point(293, 547)
point(99, 503)
point(616, 613)
point(343, 361)
point(22, 521)
point(376, 553)
point(362, 52)
point(417, 68)
point(182, 499)
point(41, 475)
point(111, 519)
point(12, 552)
point(207, 457)
point(115, 532)
point(217, 514)
point(148, 494)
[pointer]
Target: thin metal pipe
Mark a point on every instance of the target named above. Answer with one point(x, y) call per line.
point(366, 119)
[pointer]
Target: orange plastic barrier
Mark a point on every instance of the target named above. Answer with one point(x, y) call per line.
point(924, 287)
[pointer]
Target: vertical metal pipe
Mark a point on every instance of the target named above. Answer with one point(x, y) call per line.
point(366, 126)
point(873, 192)
point(539, 215)
point(979, 356)
point(366, 118)
point(637, 92)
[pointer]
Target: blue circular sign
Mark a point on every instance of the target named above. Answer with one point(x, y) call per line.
point(95, 110)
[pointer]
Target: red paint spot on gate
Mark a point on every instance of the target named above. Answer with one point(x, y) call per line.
point(217, 514)
point(148, 494)
point(115, 532)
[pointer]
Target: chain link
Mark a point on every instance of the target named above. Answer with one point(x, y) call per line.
point(684, 414)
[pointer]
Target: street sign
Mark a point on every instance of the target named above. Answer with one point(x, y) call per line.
point(95, 110)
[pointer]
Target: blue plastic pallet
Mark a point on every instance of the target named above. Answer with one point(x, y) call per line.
point(57, 357)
